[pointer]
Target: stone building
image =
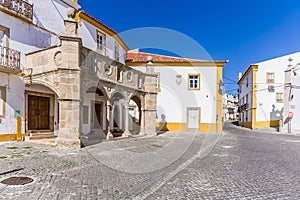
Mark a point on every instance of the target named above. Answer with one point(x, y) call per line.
point(68, 77)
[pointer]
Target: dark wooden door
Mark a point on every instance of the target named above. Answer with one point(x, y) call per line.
point(38, 112)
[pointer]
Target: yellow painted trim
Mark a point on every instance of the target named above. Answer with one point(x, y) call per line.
point(182, 127)
point(199, 79)
point(10, 137)
point(253, 108)
point(265, 124)
point(261, 124)
point(97, 45)
point(267, 73)
point(100, 26)
point(250, 69)
point(281, 98)
point(219, 103)
point(177, 64)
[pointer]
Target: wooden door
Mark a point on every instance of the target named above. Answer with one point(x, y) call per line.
point(38, 112)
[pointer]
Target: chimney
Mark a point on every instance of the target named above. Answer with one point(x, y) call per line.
point(240, 75)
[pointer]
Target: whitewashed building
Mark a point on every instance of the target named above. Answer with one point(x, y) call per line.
point(190, 96)
point(291, 115)
point(261, 93)
point(230, 107)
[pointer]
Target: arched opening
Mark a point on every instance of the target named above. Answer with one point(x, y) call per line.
point(117, 123)
point(41, 109)
point(94, 111)
point(135, 115)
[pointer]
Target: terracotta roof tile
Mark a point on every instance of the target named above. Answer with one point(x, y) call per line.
point(136, 56)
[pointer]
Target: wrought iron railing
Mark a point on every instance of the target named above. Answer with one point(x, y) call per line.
point(9, 59)
point(19, 6)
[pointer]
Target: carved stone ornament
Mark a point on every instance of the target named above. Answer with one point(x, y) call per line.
point(129, 76)
point(71, 13)
point(108, 70)
point(58, 58)
point(178, 79)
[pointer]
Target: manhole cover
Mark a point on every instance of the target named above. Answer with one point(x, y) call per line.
point(17, 181)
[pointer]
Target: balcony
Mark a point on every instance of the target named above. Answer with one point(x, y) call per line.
point(20, 7)
point(9, 60)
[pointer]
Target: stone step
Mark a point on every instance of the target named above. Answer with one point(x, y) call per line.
point(45, 135)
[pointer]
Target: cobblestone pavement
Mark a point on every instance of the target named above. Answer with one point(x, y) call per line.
point(239, 164)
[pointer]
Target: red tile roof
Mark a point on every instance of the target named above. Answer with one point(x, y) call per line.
point(136, 56)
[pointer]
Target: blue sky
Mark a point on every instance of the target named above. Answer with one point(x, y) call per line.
point(243, 32)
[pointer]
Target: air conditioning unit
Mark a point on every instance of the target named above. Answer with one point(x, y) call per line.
point(271, 88)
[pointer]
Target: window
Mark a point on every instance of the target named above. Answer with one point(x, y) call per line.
point(270, 77)
point(247, 82)
point(2, 101)
point(194, 82)
point(101, 42)
point(117, 53)
point(279, 97)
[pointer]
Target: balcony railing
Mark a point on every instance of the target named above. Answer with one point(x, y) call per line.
point(19, 6)
point(9, 60)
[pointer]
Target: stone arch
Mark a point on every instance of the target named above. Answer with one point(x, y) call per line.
point(135, 107)
point(43, 83)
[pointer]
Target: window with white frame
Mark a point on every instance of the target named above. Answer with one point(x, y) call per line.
point(2, 101)
point(101, 43)
point(194, 81)
point(279, 97)
point(117, 52)
point(270, 77)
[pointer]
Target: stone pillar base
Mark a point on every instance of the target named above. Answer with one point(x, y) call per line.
point(68, 143)
point(109, 136)
point(142, 133)
point(126, 134)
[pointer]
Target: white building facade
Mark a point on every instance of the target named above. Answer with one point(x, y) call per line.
point(291, 115)
point(190, 96)
point(261, 93)
point(230, 107)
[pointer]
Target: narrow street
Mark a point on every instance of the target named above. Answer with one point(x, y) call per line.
point(239, 164)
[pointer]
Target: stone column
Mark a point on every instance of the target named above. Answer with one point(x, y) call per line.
point(109, 135)
point(69, 123)
point(151, 89)
point(142, 125)
point(126, 132)
point(69, 78)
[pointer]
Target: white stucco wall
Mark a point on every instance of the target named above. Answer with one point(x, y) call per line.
point(173, 99)
point(88, 33)
point(14, 102)
point(294, 104)
point(50, 14)
point(267, 107)
point(244, 91)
